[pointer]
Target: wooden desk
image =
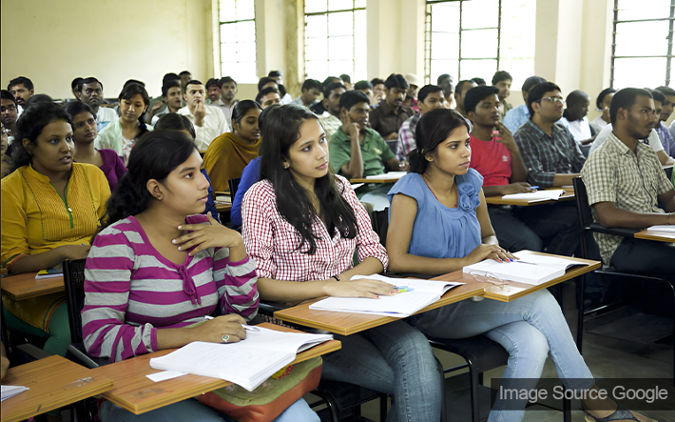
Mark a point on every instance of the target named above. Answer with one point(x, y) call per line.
point(346, 323)
point(54, 382)
point(655, 235)
point(511, 290)
point(223, 201)
point(497, 200)
point(138, 394)
point(25, 286)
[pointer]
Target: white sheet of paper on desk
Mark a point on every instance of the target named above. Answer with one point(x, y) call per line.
point(667, 229)
point(12, 390)
point(165, 375)
point(540, 195)
point(385, 176)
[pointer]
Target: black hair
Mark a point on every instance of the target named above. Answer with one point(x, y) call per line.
point(376, 81)
point(185, 72)
point(154, 156)
point(346, 78)
point(74, 108)
point(274, 73)
point(327, 89)
point(329, 80)
point(311, 84)
point(501, 75)
point(396, 80)
point(443, 77)
point(76, 84)
point(29, 126)
point(227, 79)
point(479, 81)
point(171, 83)
point(625, 98)
point(175, 121)
point(170, 77)
point(264, 92)
point(191, 82)
point(21, 80)
point(532, 81)
point(281, 129)
point(460, 86)
point(351, 98)
point(602, 95)
point(129, 92)
point(213, 82)
point(426, 90)
point(6, 95)
point(478, 94)
point(666, 90)
point(134, 81)
point(90, 80)
point(362, 85)
point(576, 97)
point(38, 99)
point(658, 96)
point(242, 107)
point(536, 93)
point(264, 81)
point(433, 128)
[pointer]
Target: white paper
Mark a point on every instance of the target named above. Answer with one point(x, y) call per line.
point(11, 391)
point(165, 375)
point(540, 195)
point(386, 176)
point(664, 228)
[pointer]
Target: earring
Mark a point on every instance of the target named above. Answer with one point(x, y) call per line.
point(286, 166)
point(159, 197)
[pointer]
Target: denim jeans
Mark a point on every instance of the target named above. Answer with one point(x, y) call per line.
point(395, 359)
point(528, 328)
point(191, 410)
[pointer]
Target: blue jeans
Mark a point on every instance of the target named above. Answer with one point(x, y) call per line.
point(395, 359)
point(191, 410)
point(529, 328)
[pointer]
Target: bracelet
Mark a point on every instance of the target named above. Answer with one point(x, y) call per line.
point(336, 278)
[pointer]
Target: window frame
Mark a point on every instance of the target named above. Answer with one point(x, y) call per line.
point(237, 78)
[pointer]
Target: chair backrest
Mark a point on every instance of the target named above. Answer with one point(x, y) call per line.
point(73, 279)
point(581, 198)
point(380, 223)
point(234, 185)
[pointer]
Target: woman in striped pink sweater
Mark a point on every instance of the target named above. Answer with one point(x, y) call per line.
point(160, 268)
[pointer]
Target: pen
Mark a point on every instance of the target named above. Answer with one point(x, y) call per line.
point(534, 187)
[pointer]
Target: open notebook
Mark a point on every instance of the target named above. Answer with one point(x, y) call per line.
point(247, 363)
point(387, 176)
point(662, 229)
point(414, 294)
point(531, 268)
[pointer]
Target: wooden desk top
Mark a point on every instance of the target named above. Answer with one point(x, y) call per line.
point(511, 290)
point(138, 394)
point(346, 323)
point(25, 286)
point(222, 207)
point(54, 382)
point(364, 180)
point(655, 235)
point(497, 200)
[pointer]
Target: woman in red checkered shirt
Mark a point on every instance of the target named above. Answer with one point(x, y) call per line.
point(302, 225)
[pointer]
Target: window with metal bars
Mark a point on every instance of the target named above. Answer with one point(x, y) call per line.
point(237, 40)
point(642, 43)
point(475, 38)
point(335, 38)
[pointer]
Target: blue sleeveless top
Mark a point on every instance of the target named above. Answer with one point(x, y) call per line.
point(439, 231)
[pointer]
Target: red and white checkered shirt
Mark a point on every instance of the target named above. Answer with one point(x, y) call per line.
point(273, 242)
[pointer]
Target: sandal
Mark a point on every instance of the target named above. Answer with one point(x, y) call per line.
point(619, 414)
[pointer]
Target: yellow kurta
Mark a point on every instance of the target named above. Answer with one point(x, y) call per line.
point(226, 158)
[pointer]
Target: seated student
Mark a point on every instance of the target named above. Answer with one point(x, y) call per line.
point(411, 93)
point(229, 153)
point(228, 97)
point(625, 185)
point(171, 100)
point(460, 92)
point(50, 209)
point(91, 93)
point(121, 134)
point(175, 121)
point(148, 249)
point(277, 77)
point(84, 133)
point(429, 98)
point(439, 223)
point(8, 112)
point(208, 120)
point(302, 226)
point(575, 120)
point(502, 80)
point(158, 104)
point(310, 91)
point(328, 109)
point(346, 81)
point(518, 115)
point(22, 89)
point(602, 104)
point(367, 88)
point(667, 97)
point(379, 91)
point(390, 114)
point(6, 164)
point(267, 97)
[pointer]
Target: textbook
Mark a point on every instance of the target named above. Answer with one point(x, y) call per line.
point(49, 273)
point(247, 363)
point(663, 228)
point(412, 295)
point(9, 391)
point(540, 195)
point(387, 176)
point(531, 268)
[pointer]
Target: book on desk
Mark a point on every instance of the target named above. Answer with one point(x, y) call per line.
point(529, 268)
point(247, 363)
point(539, 195)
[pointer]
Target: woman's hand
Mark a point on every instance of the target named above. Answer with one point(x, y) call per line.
point(214, 330)
point(203, 236)
point(485, 251)
point(73, 251)
point(358, 288)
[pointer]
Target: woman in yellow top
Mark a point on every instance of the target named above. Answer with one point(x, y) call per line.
point(229, 153)
point(51, 208)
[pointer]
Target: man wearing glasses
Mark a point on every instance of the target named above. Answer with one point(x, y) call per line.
point(8, 112)
point(549, 152)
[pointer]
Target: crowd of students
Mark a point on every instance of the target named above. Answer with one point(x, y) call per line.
point(129, 191)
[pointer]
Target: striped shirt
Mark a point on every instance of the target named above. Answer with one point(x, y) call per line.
point(273, 242)
point(406, 137)
point(131, 290)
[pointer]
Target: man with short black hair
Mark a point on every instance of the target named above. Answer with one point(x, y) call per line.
point(429, 97)
point(277, 77)
point(267, 97)
point(228, 88)
point(667, 95)
point(517, 116)
point(328, 109)
point(171, 99)
point(346, 81)
point(502, 80)
point(185, 77)
point(379, 91)
point(75, 86)
point(22, 89)
point(575, 120)
point(209, 121)
point(8, 112)
point(367, 88)
point(388, 117)
point(460, 91)
point(213, 92)
point(613, 174)
point(310, 92)
point(91, 93)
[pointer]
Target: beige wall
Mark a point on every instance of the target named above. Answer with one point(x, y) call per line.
point(53, 41)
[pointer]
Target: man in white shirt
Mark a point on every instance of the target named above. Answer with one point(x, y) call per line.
point(228, 88)
point(91, 93)
point(209, 121)
point(652, 140)
point(574, 117)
